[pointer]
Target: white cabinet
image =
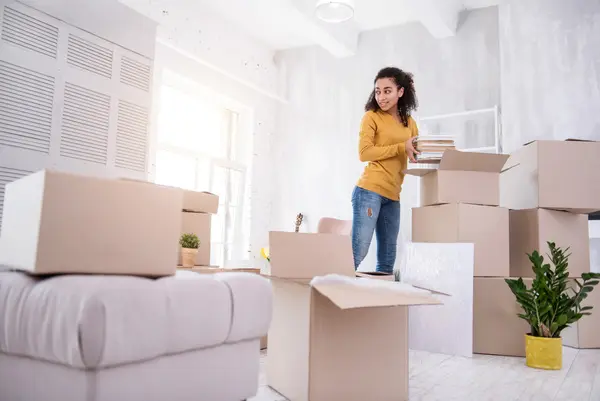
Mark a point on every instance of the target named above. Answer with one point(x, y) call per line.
point(70, 99)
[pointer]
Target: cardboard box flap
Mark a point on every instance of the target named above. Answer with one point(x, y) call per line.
point(299, 281)
point(390, 277)
point(307, 255)
point(421, 168)
point(352, 293)
point(566, 140)
point(579, 140)
point(472, 161)
point(511, 163)
point(419, 172)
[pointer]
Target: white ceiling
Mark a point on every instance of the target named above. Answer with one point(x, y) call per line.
point(283, 24)
point(375, 14)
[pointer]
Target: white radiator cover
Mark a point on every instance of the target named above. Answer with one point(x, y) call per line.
point(75, 89)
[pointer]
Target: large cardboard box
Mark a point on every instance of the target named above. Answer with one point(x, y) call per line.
point(325, 337)
point(585, 333)
point(532, 229)
point(485, 226)
point(199, 224)
point(462, 177)
point(560, 175)
point(497, 330)
point(56, 222)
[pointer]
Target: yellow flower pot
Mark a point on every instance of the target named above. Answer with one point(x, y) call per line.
point(543, 353)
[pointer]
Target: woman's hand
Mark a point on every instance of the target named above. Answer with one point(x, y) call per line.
point(411, 152)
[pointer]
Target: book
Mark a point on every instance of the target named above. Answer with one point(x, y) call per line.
point(432, 147)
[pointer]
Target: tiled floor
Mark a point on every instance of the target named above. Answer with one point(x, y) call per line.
point(485, 378)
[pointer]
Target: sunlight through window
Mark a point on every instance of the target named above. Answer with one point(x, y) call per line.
point(196, 150)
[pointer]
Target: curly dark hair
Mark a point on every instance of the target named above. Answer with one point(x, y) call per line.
point(407, 103)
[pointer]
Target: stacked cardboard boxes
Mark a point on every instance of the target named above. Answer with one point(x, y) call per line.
point(550, 186)
point(196, 215)
point(197, 209)
point(460, 202)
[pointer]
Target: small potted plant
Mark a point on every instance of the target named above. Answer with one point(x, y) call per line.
point(189, 249)
point(551, 305)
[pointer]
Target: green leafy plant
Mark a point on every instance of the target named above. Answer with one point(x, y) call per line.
point(553, 302)
point(189, 241)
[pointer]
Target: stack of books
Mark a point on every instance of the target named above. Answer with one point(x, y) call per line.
point(432, 147)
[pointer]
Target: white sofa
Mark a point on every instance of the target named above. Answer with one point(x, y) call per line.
point(120, 338)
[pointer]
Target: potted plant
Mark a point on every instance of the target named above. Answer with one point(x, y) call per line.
point(189, 249)
point(551, 305)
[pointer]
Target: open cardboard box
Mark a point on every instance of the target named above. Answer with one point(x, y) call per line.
point(328, 334)
point(560, 175)
point(462, 177)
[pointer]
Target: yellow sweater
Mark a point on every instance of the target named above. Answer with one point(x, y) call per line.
point(381, 144)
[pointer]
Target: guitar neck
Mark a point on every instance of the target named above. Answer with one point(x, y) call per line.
point(299, 219)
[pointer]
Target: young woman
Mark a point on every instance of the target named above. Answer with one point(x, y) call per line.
point(386, 139)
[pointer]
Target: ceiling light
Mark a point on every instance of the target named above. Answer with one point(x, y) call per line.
point(335, 11)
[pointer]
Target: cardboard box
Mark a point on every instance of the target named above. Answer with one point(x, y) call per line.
point(497, 330)
point(462, 177)
point(56, 222)
point(199, 224)
point(200, 202)
point(485, 226)
point(532, 229)
point(561, 175)
point(585, 333)
point(324, 337)
point(193, 201)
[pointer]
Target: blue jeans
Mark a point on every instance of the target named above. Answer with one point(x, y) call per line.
point(375, 213)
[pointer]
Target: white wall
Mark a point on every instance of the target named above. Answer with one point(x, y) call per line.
point(106, 19)
point(316, 158)
point(215, 42)
point(538, 59)
point(550, 70)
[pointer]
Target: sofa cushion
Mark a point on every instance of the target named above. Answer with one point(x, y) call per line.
point(100, 321)
point(252, 298)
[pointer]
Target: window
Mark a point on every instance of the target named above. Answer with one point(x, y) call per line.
point(198, 141)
